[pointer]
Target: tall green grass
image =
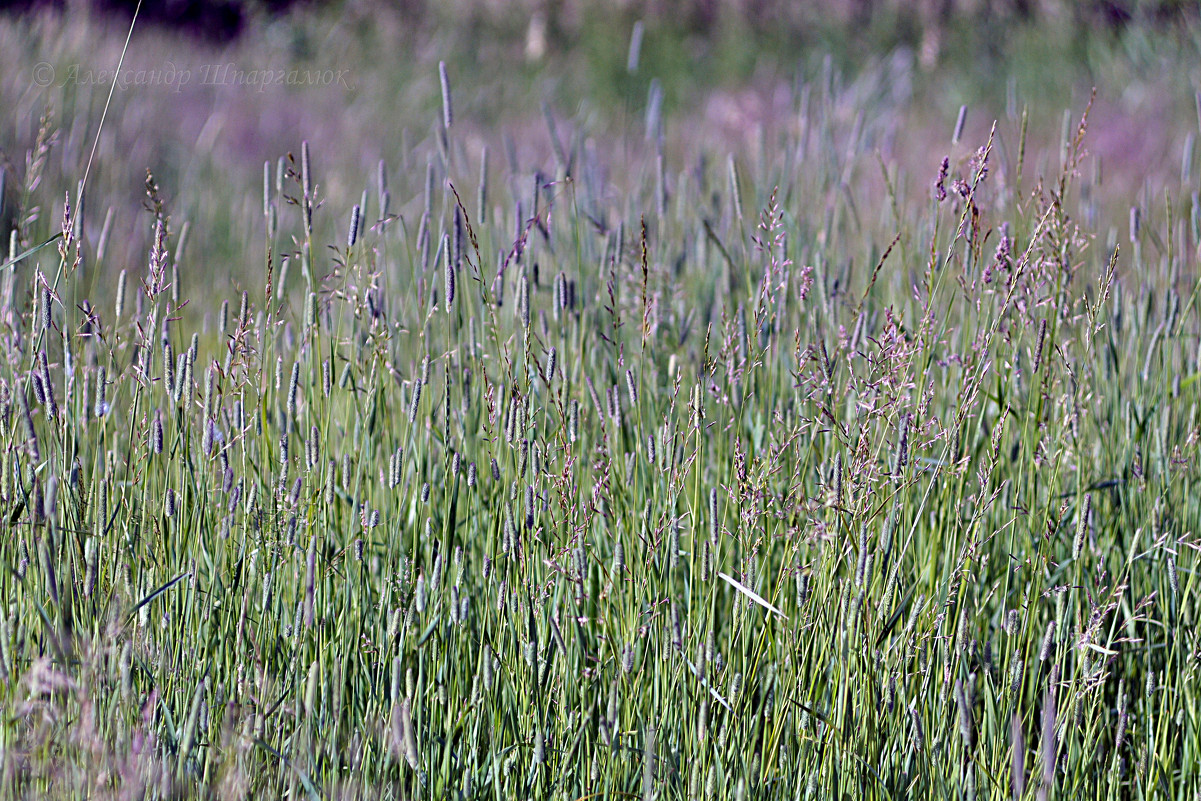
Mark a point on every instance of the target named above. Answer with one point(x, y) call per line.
point(775, 477)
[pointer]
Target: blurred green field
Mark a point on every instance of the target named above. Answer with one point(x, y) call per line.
point(469, 403)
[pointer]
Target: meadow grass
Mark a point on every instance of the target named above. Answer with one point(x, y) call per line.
point(755, 476)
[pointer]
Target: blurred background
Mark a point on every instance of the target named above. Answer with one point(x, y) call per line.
point(209, 91)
